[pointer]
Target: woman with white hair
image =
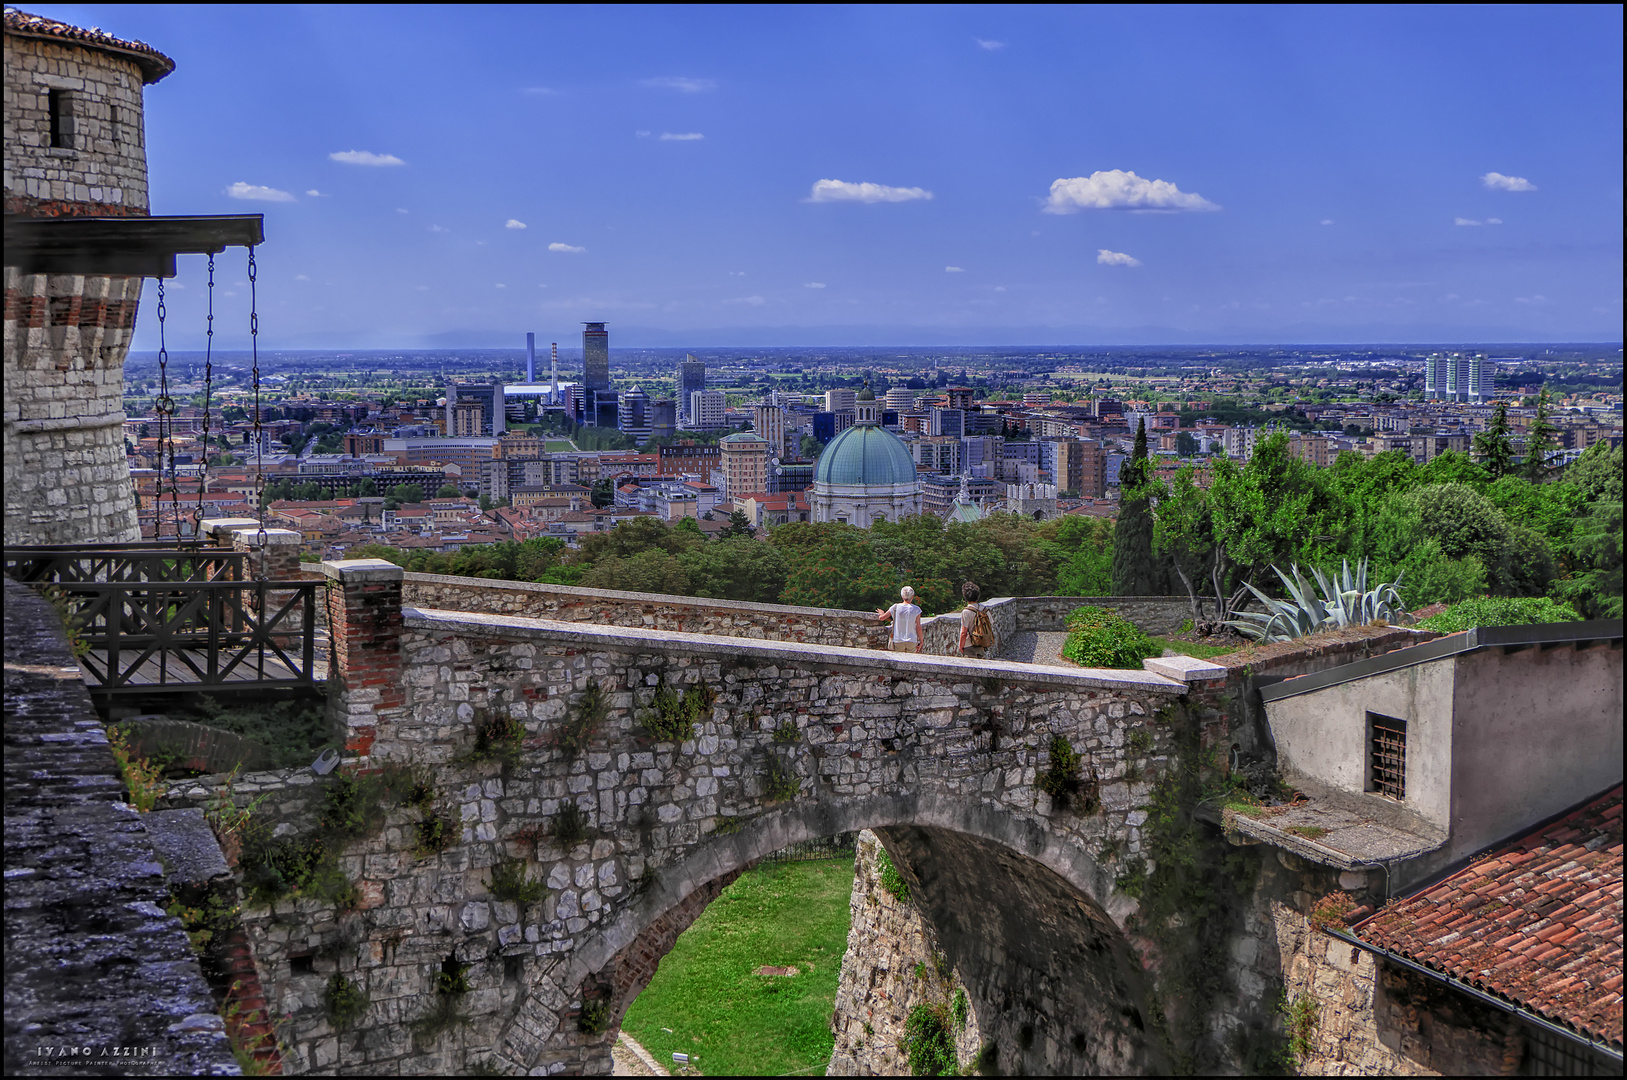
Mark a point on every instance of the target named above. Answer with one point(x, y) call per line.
point(906, 619)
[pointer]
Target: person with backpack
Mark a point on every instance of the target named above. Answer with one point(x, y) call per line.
point(976, 628)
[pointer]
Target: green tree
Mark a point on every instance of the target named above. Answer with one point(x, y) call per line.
point(739, 525)
point(368, 489)
point(485, 503)
point(1084, 547)
point(1186, 444)
point(650, 571)
point(1133, 568)
point(1539, 443)
point(841, 573)
point(1494, 447)
point(448, 491)
point(736, 568)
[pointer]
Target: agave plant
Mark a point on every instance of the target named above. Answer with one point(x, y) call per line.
point(1345, 601)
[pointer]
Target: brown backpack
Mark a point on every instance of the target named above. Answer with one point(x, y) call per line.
point(982, 630)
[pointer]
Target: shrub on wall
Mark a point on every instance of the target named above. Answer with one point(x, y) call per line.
point(673, 716)
point(343, 1001)
point(928, 1043)
point(891, 879)
point(1498, 611)
point(1101, 638)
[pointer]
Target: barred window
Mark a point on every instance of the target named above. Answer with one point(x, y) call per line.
point(59, 103)
point(1387, 756)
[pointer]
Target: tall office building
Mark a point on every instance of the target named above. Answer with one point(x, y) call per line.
point(840, 400)
point(663, 418)
point(1081, 466)
point(901, 398)
point(1457, 377)
point(706, 409)
point(490, 400)
point(769, 422)
point(690, 376)
point(634, 417)
point(595, 356)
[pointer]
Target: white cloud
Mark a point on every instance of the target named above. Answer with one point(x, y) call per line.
point(540, 286)
point(437, 228)
point(954, 270)
point(843, 191)
point(1325, 221)
point(1473, 221)
point(557, 246)
point(257, 193)
point(364, 157)
point(688, 136)
point(814, 285)
point(642, 134)
point(999, 288)
point(1538, 299)
point(400, 210)
point(315, 194)
point(421, 288)
point(1117, 189)
point(1115, 258)
point(1498, 182)
point(1494, 221)
point(679, 82)
point(513, 223)
point(500, 285)
point(737, 273)
point(301, 277)
point(749, 301)
point(991, 46)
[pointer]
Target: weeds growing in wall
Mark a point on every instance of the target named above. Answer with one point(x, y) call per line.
point(510, 881)
point(780, 783)
point(891, 879)
point(1192, 901)
point(1303, 1016)
point(927, 1041)
point(1061, 779)
point(672, 716)
point(582, 723)
point(570, 826)
point(143, 779)
point(498, 737)
point(445, 1009)
point(343, 1001)
point(432, 835)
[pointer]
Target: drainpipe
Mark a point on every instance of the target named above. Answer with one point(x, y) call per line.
point(1480, 995)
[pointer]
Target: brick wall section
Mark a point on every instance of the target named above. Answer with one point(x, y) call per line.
point(91, 957)
point(364, 625)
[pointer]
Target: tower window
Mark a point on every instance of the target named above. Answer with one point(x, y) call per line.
point(60, 105)
point(1387, 756)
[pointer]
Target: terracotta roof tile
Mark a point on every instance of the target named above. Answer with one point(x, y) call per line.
point(1538, 922)
point(154, 64)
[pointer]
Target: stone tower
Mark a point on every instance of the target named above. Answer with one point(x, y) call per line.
point(74, 146)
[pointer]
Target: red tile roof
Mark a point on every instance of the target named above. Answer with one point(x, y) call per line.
point(1538, 922)
point(154, 64)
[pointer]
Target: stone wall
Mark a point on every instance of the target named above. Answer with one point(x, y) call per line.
point(937, 747)
point(890, 968)
point(95, 971)
point(66, 476)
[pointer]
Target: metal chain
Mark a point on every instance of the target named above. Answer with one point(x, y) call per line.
point(208, 386)
point(259, 467)
point(165, 408)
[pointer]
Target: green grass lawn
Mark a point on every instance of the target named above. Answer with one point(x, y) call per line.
point(1190, 648)
point(731, 1021)
point(555, 446)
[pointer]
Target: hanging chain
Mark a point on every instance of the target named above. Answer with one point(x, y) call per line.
point(208, 385)
point(259, 466)
point(165, 408)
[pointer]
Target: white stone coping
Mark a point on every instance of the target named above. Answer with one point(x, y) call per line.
point(635, 639)
point(273, 537)
point(1185, 668)
point(214, 526)
point(349, 570)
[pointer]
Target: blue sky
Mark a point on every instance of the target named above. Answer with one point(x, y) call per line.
point(1096, 175)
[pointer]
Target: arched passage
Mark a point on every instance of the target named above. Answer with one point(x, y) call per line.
point(1031, 922)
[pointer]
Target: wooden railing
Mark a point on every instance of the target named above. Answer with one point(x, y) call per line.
point(148, 618)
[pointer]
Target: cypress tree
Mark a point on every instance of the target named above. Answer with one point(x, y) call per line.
point(1539, 442)
point(1133, 570)
point(1494, 447)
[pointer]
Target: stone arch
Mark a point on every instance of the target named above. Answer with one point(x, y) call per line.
point(618, 961)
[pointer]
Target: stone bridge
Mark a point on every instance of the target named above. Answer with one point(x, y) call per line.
point(939, 755)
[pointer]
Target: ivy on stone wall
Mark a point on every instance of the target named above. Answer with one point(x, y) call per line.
point(1192, 902)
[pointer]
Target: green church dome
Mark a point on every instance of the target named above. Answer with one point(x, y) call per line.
point(865, 454)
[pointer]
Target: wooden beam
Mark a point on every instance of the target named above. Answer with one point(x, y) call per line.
point(122, 247)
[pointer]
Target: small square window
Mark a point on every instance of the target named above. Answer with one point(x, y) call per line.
point(302, 965)
point(1387, 755)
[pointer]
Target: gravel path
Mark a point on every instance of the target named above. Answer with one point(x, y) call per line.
point(1030, 647)
point(631, 1059)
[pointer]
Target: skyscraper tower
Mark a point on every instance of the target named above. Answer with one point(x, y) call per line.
point(691, 376)
point(530, 358)
point(595, 357)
